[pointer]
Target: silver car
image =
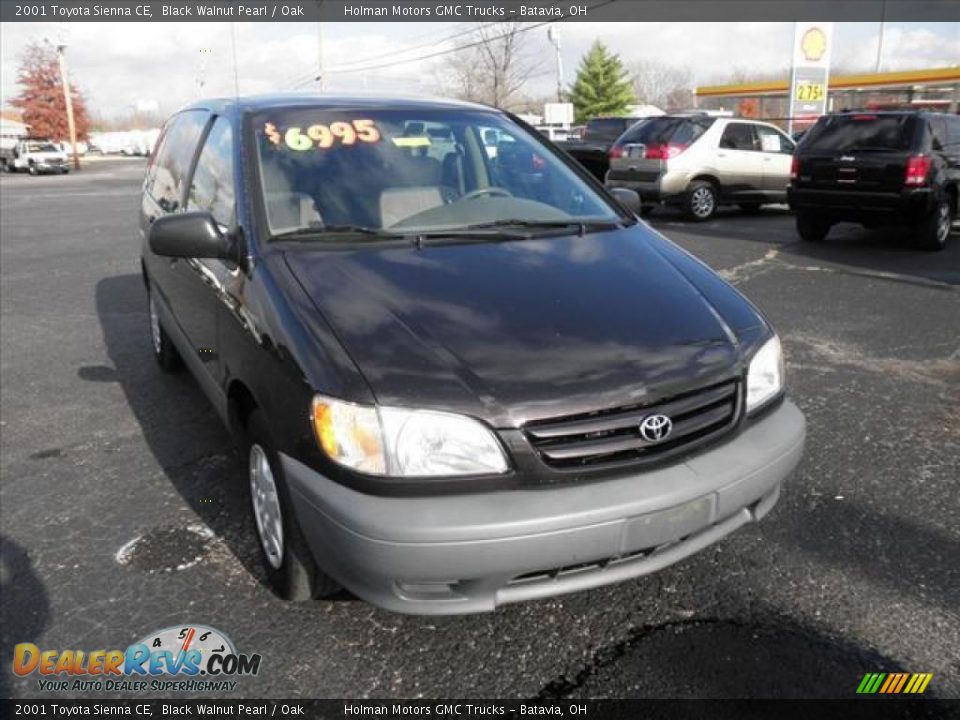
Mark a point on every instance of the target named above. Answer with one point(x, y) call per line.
point(700, 162)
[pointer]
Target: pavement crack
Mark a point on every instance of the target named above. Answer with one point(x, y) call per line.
point(747, 270)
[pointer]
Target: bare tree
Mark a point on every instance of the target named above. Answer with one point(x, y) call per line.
point(660, 84)
point(492, 65)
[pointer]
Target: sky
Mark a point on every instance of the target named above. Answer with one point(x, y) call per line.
point(122, 66)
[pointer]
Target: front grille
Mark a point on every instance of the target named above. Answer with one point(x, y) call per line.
point(610, 437)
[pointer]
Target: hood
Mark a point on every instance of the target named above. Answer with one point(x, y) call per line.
point(516, 331)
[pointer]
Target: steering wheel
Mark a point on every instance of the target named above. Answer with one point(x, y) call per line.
point(480, 192)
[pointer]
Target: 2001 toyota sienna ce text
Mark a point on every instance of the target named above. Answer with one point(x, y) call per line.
point(463, 373)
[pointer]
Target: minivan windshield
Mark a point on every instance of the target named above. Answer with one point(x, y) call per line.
point(863, 132)
point(405, 171)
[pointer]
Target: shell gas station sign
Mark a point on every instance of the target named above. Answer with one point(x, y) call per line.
point(811, 70)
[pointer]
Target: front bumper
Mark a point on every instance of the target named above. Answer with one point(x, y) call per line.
point(470, 553)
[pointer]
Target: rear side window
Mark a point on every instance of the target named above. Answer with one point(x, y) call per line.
point(843, 133)
point(773, 141)
point(953, 133)
point(212, 187)
point(168, 173)
point(938, 134)
point(739, 136)
point(667, 130)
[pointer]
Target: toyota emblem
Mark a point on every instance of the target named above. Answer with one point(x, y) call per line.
point(656, 428)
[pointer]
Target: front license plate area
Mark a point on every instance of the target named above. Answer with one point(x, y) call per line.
point(659, 528)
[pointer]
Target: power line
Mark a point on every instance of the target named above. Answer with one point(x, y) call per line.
point(441, 53)
point(305, 79)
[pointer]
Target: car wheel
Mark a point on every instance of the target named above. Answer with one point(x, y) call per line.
point(812, 229)
point(32, 169)
point(750, 207)
point(645, 210)
point(701, 201)
point(291, 570)
point(163, 349)
point(934, 232)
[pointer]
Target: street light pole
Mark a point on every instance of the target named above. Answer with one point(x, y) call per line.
point(68, 100)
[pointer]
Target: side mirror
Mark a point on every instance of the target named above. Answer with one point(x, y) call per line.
point(186, 235)
point(630, 199)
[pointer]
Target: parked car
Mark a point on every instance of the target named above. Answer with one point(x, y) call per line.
point(878, 169)
point(35, 156)
point(459, 380)
point(699, 163)
point(592, 147)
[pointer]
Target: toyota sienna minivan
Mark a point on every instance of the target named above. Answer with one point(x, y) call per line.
point(460, 378)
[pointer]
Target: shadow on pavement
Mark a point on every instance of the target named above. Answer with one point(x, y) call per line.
point(179, 425)
point(25, 609)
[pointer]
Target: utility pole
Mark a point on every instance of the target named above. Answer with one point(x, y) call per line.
point(68, 100)
point(321, 75)
point(883, 25)
point(553, 34)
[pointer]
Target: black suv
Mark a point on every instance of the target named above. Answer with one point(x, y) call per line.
point(876, 169)
point(462, 375)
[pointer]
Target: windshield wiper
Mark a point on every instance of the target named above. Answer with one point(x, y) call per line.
point(514, 229)
point(306, 233)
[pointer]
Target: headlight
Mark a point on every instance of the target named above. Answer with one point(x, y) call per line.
point(405, 443)
point(765, 376)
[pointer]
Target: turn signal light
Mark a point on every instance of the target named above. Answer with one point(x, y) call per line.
point(918, 167)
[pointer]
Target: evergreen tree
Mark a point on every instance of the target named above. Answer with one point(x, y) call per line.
point(602, 86)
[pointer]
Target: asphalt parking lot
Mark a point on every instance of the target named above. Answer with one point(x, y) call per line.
point(856, 570)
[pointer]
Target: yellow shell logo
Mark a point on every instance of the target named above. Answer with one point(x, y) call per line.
point(814, 44)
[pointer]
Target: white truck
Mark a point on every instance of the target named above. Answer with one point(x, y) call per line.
point(34, 156)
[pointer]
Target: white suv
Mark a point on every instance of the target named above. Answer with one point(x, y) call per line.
point(700, 162)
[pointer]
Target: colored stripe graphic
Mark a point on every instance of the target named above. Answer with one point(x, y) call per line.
point(894, 683)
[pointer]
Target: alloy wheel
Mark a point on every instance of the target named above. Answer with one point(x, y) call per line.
point(266, 506)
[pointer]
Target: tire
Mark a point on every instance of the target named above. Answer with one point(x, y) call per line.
point(701, 201)
point(164, 350)
point(645, 210)
point(32, 169)
point(287, 560)
point(934, 232)
point(812, 229)
point(751, 207)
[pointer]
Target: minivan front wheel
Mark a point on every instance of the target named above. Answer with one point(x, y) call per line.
point(933, 233)
point(812, 229)
point(291, 570)
point(701, 201)
point(163, 349)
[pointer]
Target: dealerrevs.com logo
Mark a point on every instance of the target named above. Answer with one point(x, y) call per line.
point(191, 658)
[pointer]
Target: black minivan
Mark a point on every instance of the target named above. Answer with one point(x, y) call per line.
point(463, 374)
point(877, 169)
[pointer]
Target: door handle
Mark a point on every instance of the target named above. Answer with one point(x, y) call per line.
point(719, 154)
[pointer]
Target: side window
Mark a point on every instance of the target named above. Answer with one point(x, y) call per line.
point(212, 186)
point(168, 173)
point(953, 133)
point(938, 134)
point(738, 136)
point(773, 141)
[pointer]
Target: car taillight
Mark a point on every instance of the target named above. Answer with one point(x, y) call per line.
point(616, 152)
point(795, 168)
point(664, 152)
point(918, 167)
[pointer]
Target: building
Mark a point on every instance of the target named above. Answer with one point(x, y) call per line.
point(12, 125)
point(937, 88)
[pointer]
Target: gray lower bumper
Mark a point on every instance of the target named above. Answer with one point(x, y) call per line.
point(470, 553)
